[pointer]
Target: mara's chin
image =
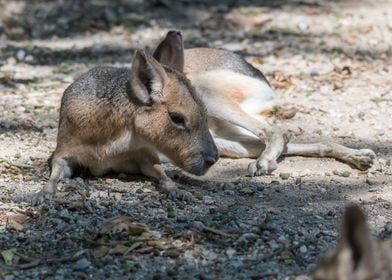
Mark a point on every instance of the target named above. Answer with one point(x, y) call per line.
point(198, 170)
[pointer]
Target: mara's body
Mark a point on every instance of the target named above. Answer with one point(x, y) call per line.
point(120, 119)
point(239, 101)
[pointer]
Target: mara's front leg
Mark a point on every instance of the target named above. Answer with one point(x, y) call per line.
point(150, 166)
point(61, 167)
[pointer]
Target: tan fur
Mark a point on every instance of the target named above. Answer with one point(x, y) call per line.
point(235, 94)
point(358, 256)
point(242, 107)
point(122, 119)
point(124, 131)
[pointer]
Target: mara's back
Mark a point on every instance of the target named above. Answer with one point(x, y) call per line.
point(97, 100)
point(198, 60)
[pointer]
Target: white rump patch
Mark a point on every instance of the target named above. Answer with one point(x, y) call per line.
point(258, 95)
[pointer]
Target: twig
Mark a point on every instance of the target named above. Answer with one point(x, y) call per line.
point(377, 100)
point(217, 231)
point(112, 243)
point(19, 165)
point(33, 262)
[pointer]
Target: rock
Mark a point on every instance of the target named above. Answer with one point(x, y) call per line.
point(234, 47)
point(208, 199)
point(172, 253)
point(230, 252)
point(273, 244)
point(345, 174)
point(342, 173)
point(247, 237)
point(82, 264)
point(171, 212)
point(29, 58)
point(198, 225)
point(229, 192)
point(246, 191)
point(303, 26)
point(303, 249)
point(64, 214)
point(20, 55)
point(236, 264)
point(284, 176)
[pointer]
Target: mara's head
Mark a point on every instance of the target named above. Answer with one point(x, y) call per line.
point(171, 116)
point(355, 256)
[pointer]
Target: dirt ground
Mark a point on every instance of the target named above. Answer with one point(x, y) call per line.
point(331, 59)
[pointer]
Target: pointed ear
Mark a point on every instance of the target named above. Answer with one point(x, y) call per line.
point(355, 235)
point(171, 51)
point(147, 78)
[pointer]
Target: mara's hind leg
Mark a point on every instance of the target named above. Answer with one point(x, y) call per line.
point(361, 159)
point(61, 168)
point(234, 98)
point(271, 141)
point(242, 149)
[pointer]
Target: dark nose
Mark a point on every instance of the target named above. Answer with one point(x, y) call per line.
point(174, 33)
point(211, 159)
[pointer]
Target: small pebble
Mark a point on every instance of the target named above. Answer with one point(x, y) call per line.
point(82, 264)
point(303, 249)
point(230, 252)
point(246, 191)
point(198, 225)
point(20, 55)
point(247, 237)
point(64, 214)
point(208, 199)
point(284, 176)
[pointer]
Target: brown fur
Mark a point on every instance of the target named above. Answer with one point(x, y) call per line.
point(119, 119)
point(357, 256)
point(240, 104)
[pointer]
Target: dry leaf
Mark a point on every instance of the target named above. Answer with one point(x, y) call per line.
point(118, 196)
point(137, 229)
point(248, 20)
point(19, 218)
point(156, 244)
point(121, 223)
point(15, 225)
point(118, 223)
point(101, 251)
point(279, 80)
point(173, 252)
point(76, 205)
point(8, 255)
point(119, 249)
point(256, 60)
point(134, 246)
point(338, 85)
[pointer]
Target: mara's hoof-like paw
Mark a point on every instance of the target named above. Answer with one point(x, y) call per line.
point(363, 159)
point(182, 195)
point(41, 197)
point(261, 167)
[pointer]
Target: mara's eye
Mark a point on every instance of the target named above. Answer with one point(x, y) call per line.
point(177, 118)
